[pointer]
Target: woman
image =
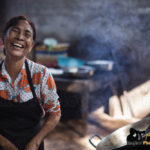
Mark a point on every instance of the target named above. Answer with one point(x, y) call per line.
point(27, 89)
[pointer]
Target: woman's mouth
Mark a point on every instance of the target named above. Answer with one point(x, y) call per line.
point(17, 45)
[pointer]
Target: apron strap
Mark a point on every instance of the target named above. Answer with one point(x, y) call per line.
point(1, 64)
point(29, 79)
point(32, 87)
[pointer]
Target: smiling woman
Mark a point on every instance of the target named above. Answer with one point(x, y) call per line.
point(23, 100)
point(18, 39)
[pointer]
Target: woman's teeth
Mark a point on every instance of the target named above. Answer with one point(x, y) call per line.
point(18, 45)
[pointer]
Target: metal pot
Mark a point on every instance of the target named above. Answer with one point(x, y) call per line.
point(79, 72)
point(105, 65)
point(118, 138)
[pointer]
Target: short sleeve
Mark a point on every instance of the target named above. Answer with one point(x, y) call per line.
point(49, 96)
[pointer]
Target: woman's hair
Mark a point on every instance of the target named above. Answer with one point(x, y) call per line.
point(14, 21)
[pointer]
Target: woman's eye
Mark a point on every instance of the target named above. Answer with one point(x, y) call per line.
point(15, 30)
point(28, 35)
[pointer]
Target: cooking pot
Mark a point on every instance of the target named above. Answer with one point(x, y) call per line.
point(78, 72)
point(73, 72)
point(118, 138)
point(105, 65)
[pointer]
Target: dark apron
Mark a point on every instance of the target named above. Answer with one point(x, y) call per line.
point(20, 122)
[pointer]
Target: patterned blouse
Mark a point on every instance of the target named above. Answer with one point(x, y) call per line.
point(20, 91)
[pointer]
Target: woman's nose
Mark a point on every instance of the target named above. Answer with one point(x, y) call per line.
point(20, 36)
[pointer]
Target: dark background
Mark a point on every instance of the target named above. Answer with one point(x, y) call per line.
point(110, 29)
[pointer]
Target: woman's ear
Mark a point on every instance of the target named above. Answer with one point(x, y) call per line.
point(32, 46)
point(33, 43)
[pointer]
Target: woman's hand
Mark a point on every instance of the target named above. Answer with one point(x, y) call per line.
point(33, 145)
point(47, 127)
point(6, 144)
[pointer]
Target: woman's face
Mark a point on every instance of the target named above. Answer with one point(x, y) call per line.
point(19, 40)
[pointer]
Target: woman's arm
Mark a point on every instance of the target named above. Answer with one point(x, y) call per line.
point(51, 105)
point(6, 144)
point(47, 127)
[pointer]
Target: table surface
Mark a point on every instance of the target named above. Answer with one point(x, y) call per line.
point(84, 87)
point(92, 84)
